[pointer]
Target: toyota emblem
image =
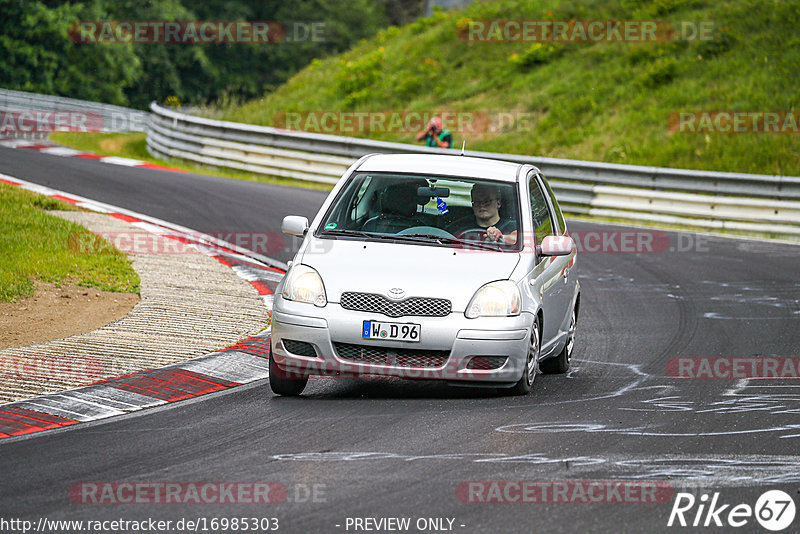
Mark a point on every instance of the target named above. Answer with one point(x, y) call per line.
point(396, 293)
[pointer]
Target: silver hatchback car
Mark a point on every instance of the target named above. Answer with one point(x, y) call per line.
point(429, 267)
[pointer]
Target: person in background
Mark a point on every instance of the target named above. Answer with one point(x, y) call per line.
point(435, 134)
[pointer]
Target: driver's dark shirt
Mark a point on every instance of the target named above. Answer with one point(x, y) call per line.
point(506, 225)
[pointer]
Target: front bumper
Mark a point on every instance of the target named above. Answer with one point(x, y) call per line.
point(452, 348)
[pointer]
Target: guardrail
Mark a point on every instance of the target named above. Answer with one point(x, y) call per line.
point(714, 200)
point(29, 115)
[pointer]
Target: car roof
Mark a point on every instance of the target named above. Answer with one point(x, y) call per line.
point(441, 165)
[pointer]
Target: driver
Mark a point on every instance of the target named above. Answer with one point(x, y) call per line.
point(486, 204)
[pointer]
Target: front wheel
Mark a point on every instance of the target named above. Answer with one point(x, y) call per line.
point(523, 387)
point(279, 381)
point(560, 364)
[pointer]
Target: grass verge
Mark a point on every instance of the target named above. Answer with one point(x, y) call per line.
point(36, 246)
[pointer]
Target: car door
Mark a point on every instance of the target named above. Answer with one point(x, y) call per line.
point(569, 276)
point(549, 274)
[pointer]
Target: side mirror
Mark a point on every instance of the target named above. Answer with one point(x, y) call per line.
point(294, 225)
point(553, 245)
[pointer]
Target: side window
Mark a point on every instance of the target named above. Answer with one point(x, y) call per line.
point(540, 213)
point(562, 227)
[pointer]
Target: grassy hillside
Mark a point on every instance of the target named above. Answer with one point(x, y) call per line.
point(603, 101)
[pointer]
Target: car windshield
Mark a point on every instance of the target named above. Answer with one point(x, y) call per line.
point(435, 210)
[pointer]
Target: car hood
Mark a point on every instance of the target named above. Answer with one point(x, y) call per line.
point(421, 271)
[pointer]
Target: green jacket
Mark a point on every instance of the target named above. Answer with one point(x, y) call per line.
point(444, 136)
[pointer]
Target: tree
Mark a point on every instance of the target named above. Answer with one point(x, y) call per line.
point(36, 53)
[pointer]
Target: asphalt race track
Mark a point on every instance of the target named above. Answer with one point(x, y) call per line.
point(389, 448)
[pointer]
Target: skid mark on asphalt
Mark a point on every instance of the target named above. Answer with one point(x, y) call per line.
point(654, 394)
point(554, 427)
point(762, 294)
point(640, 391)
point(686, 471)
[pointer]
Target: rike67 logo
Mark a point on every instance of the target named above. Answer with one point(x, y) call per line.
point(774, 510)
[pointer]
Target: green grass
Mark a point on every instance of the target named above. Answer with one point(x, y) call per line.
point(134, 146)
point(37, 246)
point(604, 101)
point(125, 145)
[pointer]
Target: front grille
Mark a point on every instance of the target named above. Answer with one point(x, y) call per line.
point(372, 302)
point(487, 363)
point(396, 357)
point(301, 348)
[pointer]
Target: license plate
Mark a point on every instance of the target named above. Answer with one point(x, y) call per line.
point(391, 331)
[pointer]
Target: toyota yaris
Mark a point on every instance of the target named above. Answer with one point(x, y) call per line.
point(429, 267)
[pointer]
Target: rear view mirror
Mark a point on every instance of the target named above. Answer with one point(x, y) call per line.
point(553, 245)
point(294, 225)
point(441, 192)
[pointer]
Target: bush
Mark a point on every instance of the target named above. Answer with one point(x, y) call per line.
point(719, 44)
point(356, 77)
point(648, 52)
point(658, 8)
point(537, 54)
point(658, 73)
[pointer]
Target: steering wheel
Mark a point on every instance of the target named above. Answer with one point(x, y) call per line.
point(425, 230)
point(478, 232)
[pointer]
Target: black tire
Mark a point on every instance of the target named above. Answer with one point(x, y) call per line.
point(560, 363)
point(525, 384)
point(280, 383)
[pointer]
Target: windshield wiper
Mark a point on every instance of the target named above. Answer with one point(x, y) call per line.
point(348, 233)
point(457, 241)
point(368, 235)
point(414, 238)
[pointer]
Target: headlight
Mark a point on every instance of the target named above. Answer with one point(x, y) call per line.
point(303, 284)
point(495, 299)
